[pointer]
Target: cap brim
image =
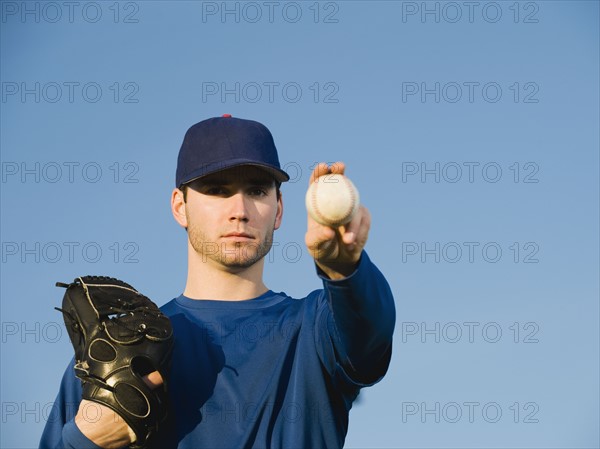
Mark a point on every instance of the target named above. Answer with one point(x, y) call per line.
point(209, 169)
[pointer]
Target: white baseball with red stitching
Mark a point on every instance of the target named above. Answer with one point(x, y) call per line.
point(332, 200)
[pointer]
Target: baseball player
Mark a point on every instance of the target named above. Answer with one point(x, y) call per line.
point(249, 367)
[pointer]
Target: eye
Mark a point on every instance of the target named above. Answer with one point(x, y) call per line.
point(214, 190)
point(258, 191)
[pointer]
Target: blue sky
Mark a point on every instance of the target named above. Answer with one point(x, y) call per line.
point(471, 131)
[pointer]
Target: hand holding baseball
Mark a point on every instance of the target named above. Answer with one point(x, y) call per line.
point(334, 242)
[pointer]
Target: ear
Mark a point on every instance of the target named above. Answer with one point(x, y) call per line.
point(279, 215)
point(178, 208)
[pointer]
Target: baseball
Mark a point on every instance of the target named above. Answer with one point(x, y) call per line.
point(332, 200)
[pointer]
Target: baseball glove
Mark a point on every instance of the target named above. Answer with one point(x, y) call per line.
point(119, 336)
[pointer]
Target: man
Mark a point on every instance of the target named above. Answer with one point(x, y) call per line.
point(251, 367)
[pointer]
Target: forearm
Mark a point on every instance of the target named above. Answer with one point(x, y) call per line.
point(364, 316)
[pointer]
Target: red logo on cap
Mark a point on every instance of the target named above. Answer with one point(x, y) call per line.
point(227, 115)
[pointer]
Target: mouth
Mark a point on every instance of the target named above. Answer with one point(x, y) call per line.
point(238, 236)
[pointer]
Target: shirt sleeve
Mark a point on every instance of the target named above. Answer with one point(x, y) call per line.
point(361, 316)
point(60, 431)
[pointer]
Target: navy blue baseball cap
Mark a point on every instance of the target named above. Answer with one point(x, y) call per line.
point(224, 142)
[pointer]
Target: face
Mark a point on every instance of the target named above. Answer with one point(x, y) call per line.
point(231, 216)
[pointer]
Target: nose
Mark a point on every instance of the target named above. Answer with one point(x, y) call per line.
point(238, 209)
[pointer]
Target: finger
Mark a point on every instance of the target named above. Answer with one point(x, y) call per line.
point(337, 168)
point(355, 232)
point(319, 235)
point(153, 380)
point(349, 231)
point(321, 242)
point(321, 169)
point(362, 232)
point(342, 232)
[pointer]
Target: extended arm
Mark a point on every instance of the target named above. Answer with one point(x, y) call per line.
point(363, 318)
point(359, 298)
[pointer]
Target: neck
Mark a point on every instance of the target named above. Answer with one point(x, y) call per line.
point(207, 279)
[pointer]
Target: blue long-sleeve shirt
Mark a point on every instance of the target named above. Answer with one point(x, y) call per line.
point(272, 371)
